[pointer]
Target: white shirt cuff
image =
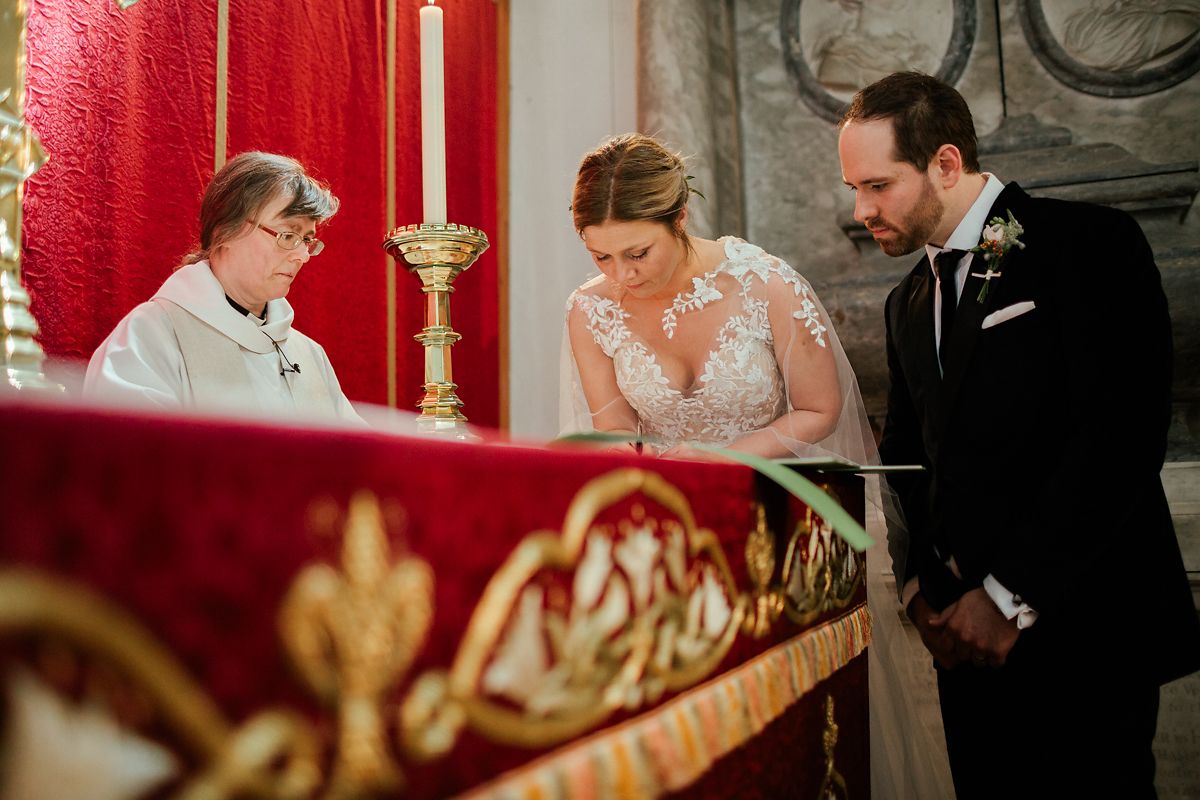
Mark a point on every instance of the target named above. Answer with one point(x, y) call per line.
point(1010, 605)
point(910, 591)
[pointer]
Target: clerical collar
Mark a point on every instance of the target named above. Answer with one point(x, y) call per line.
point(245, 312)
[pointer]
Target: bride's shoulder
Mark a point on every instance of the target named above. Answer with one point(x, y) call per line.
point(599, 286)
point(596, 301)
point(753, 266)
point(597, 291)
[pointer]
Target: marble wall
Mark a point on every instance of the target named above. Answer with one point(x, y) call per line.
point(765, 154)
point(783, 159)
point(572, 83)
point(692, 102)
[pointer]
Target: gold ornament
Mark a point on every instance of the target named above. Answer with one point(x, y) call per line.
point(21, 357)
point(760, 566)
point(578, 624)
point(274, 754)
point(351, 635)
point(833, 785)
point(820, 571)
point(437, 254)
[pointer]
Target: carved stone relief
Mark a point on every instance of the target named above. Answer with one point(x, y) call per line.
point(1115, 48)
point(835, 47)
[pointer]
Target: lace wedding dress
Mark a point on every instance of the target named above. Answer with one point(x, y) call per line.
point(751, 310)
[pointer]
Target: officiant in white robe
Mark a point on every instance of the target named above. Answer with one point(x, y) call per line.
point(218, 335)
point(188, 347)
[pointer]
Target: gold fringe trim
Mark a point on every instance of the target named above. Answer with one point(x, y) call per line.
point(669, 748)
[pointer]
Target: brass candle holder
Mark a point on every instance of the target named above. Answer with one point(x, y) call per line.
point(21, 357)
point(438, 253)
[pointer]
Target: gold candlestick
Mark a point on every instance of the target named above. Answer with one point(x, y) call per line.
point(438, 253)
point(21, 357)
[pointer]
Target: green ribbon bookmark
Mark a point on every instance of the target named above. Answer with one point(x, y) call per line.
point(828, 508)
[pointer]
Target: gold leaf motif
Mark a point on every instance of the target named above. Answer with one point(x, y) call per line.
point(352, 634)
point(634, 609)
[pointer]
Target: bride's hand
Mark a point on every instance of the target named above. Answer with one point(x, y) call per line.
point(643, 449)
point(685, 452)
point(635, 448)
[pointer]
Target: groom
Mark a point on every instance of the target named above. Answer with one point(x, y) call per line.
point(1030, 367)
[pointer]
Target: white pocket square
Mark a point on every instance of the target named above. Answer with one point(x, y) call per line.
point(1007, 313)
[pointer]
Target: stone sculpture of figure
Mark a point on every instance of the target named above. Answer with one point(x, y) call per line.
point(1126, 35)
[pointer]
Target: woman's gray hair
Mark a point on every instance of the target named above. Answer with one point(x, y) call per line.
point(248, 183)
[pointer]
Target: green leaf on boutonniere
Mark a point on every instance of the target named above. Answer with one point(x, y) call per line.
point(999, 236)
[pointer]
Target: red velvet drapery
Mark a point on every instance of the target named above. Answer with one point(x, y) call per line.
point(124, 104)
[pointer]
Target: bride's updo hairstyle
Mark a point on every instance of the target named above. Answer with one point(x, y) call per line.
point(630, 178)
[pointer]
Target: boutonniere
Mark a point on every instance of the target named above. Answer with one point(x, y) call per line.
point(998, 238)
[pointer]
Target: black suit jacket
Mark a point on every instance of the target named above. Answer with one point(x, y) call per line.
point(1044, 440)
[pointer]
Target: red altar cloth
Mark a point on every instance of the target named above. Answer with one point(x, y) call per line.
point(197, 528)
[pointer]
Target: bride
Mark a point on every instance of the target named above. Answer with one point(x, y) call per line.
point(683, 340)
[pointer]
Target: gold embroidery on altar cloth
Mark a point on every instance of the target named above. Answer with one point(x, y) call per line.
point(352, 634)
point(640, 606)
point(760, 567)
point(272, 754)
point(629, 600)
point(833, 786)
point(820, 571)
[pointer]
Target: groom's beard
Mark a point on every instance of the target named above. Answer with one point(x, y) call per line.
point(916, 227)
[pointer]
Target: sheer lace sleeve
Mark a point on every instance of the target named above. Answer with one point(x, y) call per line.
point(594, 329)
point(816, 373)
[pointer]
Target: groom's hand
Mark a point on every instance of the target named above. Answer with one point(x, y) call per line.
point(978, 632)
point(935, 639)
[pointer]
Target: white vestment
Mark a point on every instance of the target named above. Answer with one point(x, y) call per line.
point(189, 348)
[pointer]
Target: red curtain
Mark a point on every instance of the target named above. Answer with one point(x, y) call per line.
point(124, 104)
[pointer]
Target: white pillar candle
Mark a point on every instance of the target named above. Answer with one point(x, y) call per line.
point(433, 115)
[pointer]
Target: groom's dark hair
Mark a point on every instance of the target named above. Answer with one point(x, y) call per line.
point(925, 113)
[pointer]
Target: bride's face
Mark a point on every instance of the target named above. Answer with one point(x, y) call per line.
point(643, 256)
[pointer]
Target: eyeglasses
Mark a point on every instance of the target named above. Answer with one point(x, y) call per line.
point(290, 241)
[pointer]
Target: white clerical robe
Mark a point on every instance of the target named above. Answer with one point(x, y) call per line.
point(189, 348)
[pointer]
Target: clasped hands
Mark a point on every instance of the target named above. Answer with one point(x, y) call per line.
point(971, 630)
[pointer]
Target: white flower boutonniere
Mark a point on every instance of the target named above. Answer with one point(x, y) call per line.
point(998, 238)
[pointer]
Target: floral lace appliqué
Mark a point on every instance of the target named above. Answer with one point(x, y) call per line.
point(739, 387)
point(755, 262)
point(704, 291)
point(808, 313)
point(605, 319)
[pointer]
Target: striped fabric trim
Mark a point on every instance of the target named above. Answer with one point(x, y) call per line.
point(669, 748)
